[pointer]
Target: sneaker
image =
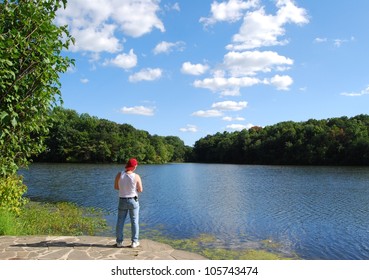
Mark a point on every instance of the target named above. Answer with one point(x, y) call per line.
point(119, 245)
point(135, 244)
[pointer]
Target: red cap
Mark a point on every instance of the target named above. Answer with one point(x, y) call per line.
point(131, 164)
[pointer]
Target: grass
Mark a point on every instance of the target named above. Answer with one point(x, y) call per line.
point(52, 219)
point(8, 223)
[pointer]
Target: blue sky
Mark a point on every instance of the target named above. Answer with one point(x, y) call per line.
point(192, 68)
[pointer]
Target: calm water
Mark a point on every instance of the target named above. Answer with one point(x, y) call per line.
point(317, 212)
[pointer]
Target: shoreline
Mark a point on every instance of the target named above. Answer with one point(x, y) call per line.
point(86, 248)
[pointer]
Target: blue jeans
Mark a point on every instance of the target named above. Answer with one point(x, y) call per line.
point(132, 207)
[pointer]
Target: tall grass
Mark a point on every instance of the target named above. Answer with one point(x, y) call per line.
point(8, 223)
point(52, 219)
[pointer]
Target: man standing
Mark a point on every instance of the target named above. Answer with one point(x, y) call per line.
point(128, 184)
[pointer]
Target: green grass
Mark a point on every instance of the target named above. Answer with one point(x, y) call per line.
point(52, 219)
point(8, 223)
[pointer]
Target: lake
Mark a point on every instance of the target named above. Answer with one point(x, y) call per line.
point(317, 212)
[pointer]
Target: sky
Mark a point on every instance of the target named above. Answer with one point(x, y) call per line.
point(192, 68)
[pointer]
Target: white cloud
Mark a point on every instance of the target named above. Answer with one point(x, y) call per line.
point(138, 110)
point(239, 126)
point(96, 39)
point(194, 69)
point(93, 23)
point(147, 74)
point(125, 61)
point(84, 81)
point(229, 105)
point(250, 62)
point(167, 47)
point(189, 128)
point(230, 119)
point(208, 113)
point(356, 94)
point(320, 40)
point(226, 86)
point(262, 30)
point(229, 11)
point(281, 82)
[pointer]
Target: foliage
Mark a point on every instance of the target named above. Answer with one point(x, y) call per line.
point(11, 193)
point(30, 64)
point(335, 141)
point(52, 219)
point(83, 138)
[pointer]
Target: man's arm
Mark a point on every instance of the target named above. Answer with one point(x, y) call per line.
point(139, 183)
point(116, 185)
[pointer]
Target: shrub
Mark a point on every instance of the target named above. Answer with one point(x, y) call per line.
point(11, 193)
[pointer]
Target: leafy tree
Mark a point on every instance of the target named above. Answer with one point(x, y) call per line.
point(335, 141)
point(30, 63)
point(82, 138)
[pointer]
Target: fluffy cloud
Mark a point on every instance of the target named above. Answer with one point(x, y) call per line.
point(138, 110)
point(189, 128)
point(147, 74)
point(262, 30)
point(167, 47)
point(228, 11)
point(244, 65)
point(194, 69)
point(208, 113)
point(250, 62)
point(96, 39)
point(218, 109)
point(229, 105)
point(281, 82)
point(93, 23)
point(226, 86)
point(125, 61)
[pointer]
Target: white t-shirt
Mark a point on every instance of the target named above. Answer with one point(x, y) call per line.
point(127, 185)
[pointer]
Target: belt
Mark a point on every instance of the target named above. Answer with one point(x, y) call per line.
point(126, 197)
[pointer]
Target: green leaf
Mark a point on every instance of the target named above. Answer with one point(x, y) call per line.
point(14, 122)
point(3, 115)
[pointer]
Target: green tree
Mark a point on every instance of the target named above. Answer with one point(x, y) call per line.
point(31, 61)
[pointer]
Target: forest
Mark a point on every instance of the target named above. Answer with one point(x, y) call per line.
point(83, 138)
point(77, 137)
point(334, 141)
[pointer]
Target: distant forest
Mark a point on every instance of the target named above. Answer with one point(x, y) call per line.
point(336, 141)
point(83, 138)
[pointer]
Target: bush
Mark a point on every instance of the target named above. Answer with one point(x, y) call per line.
point(11, 193)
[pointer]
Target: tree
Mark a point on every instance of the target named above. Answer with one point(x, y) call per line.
point(30, 63)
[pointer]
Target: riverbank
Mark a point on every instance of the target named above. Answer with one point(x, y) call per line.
point(86, 248)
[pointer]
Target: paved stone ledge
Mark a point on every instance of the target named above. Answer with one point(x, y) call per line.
point(86, 248)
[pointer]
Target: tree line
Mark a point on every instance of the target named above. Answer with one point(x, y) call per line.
point(83, 138)
point(77, 137)
point(334, 141)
